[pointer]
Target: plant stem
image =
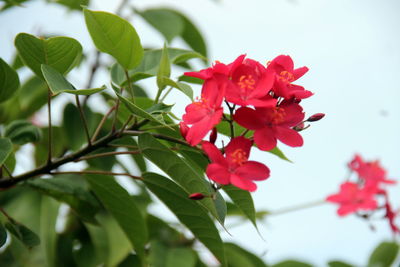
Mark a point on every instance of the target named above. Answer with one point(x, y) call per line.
point(7, 170)
point(85, 125)
point(298, 207)
point(128, 78)
point(99, 172)
point(103, 120)
point(166, 94)
point(50, 143)
point(106, 154)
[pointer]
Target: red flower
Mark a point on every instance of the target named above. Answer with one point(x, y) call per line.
point(217, 69)
point(351, 198)
point(391, 216)
point(235, 168)
point(250, 84)
point(205, 113)
point(370, 171)
point(286, 74)
point(272, 124)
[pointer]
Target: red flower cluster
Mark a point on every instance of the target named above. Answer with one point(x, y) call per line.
point(260, 98)
point(366, 192)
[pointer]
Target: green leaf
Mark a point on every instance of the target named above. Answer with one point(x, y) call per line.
point(233, 251)
point(9, 81)
point(5, 149)
point(168, 24)
point(48, 217)
point(73, 127)
point(22, 233)
point(21, 132)
point(58, 84)
point(67, 189)
point(73, 4)
point(164, 69)
point(384, 255)
point(3, 235)
point(61, 53)
point(243, 200)
point(115, 36)
point(183, 87)
point(338, 264)
point(140, 112)
point(181, 257)
point(182, 26)
point(292, 263)
point(188, 212)
point(119, 203)
point(178, 169)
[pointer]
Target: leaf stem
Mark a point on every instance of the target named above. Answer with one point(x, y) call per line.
point(103, 120)
point(166, 93)
point(84, 121)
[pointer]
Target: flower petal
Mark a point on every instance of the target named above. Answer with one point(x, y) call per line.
point(265, 138)
point(213, 153)
point(218, 173)
point(236, 143)
point(288, 136)
point(243, 183)
point(253, 170)
point(249, 118)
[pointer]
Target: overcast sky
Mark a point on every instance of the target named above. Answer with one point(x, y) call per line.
point(352, 49)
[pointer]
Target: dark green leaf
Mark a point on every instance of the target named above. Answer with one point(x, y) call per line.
point(73, 127)
point(243, 200)
point(21, 132)
point(23, 233)
point(9, 81)
point(61, 53)
point(164, 69)
point(115, 36)
point(188, 212)
point(384, 255)
point(5, 149)
point(178, 169)
point(181, 257)
point(119, 203)
point(291, 263)
point(48, 218)
point(3, 235)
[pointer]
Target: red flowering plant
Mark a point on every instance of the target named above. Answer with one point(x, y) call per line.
point(367, 195)
point(260, 99)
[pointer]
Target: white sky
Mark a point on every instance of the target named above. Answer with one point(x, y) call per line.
point(353, 51)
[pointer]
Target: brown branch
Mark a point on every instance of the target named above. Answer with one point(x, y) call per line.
point(103, 120)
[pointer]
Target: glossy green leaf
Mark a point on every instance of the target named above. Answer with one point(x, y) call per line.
point(243, 200)
point(291, 263)
point(178, 169)
point(188, 212)
point(384, 255)
point(119, 203)
point(22, 233)
point(339, 264)
point(73, 127)
point(5, 149)
point(21, 132)
point(168, 24)
point(233, 251)
point(180, 257)
point(3, 235)
point(67, 189)
point(9, 81)
point(115, 36)
point(183, 87)
point(58, 84)
point(164, 69)
point(61, 53)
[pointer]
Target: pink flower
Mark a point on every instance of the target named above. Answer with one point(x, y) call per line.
point(205, 113)
point(286, 74)
point(235, 168)
point(351, 198)
point(272, 124)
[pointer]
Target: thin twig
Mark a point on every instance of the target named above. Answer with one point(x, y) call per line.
point(166, 94)
point(107, 154)
point(103, 120)
point(297, 207)
point(126, 124)
point(84, 121)
point(99, 172)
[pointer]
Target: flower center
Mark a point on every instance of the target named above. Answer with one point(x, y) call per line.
point(246, 82)
point(278, 115)
point(286, 76)
point(238, 156)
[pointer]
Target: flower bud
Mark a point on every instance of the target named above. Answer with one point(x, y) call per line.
point(183, 128)
point(213, 135)
point(316, 117)
point(196, 196)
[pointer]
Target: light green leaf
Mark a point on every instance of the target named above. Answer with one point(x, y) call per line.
point(5, 149)
point(72, 4)
point(339, 264)
point(9, 81)
point(233, 251)
point(168, 24)
point(181, 257)
point(188, 212)
point(58, 84)
point(115, 36)
point(61, 53)
point(22, 233)
point(183, 87)
point(121, 205)
point(178, 169)
point(384, 255)
point(243, 200)
point(164, 69)
point(21, 132)
point(292, 263)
